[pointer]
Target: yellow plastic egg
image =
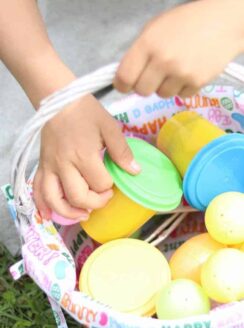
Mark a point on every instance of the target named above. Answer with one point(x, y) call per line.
point(187, 260)
point(224, 218)
point(180, 299)
point(238, 246)
point(222, 275)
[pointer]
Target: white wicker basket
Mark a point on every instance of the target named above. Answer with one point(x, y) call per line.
point(40, 259)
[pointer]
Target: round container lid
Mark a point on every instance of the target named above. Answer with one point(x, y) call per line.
point(158, 186)
point(126, 274)
point(216, 169)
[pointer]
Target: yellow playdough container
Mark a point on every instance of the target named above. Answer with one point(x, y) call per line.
point(184, 135)
point(136, 198)
point(127, 275)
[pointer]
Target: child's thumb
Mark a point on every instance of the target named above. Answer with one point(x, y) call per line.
point(120, 152)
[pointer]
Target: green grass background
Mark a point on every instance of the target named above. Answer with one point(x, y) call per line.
point(22, 303)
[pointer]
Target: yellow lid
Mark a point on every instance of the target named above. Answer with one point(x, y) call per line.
point(126, 274)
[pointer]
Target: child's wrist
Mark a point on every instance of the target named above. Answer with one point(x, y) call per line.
point(44, 74)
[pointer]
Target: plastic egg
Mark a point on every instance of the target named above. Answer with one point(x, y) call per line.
point(238, 246)
point(222, 275)
point(182, 298)
point(224, 218)
point(187, 260)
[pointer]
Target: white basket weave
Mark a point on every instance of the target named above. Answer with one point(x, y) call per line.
point(91, 312)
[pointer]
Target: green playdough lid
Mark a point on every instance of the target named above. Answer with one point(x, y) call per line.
point(158, 186)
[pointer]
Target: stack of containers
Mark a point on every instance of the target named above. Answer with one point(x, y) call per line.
point(136, 198)
point(209, 160)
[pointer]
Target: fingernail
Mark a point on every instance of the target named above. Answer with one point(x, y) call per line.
point(110, 193)
point(84, 217)
point(135, 166)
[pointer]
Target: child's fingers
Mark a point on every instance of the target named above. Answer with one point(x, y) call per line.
point(188, 91)
point(170, 87)
point(77, 190)
point(45, 212)
point(119, 150)
point(95, 173)
point(150, 79)
point(130, 68)
point(54, 198)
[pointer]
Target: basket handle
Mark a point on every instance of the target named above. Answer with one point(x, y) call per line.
point(234, 73)
point(49, 107)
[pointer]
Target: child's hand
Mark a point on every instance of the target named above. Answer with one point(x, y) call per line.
point(183, 49)
point(71, 177)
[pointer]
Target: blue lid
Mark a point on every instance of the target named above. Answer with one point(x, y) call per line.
point(217, 168)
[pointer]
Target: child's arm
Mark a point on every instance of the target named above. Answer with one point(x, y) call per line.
point(71, 175)
point(183, 49)
point(27, 51)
